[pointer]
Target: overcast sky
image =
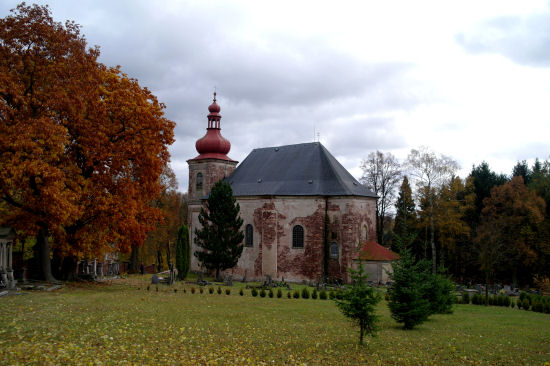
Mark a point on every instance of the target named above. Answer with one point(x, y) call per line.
point(468, 79)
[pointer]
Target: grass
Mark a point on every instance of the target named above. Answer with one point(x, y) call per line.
point(121, 324)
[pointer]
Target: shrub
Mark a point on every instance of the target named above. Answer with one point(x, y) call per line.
point(314, 294)
point(359, 303)
point(184, 290)
point(338, 294)
point(254, 292)
point(519, 303)
point(322, 295)
point(279, 293)
point(228, 291)
point(201, 290)
point(270, 293)
point(241, 292)
point(512, 302)
point(296, 294)
point(407, 303)
point(289, 295)
point(192, 290)
point(305, 293)
point(219, 290)
point(465, 298)
point(262, 293)
point(332, 295)
point(522, 296)
point(438, 290)
point(525, 304)
point(538, 306)
point(211, 290)
point(547, 307)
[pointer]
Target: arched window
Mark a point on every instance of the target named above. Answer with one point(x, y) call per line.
point(297, 237)
point(334, 250)
point(199, 182)
point(364, 232)
point(249, 236)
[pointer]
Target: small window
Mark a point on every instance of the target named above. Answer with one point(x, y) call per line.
point(298, 237)
point(334, 250)
point(199, 182)
point(249, 236)
point(364, 233)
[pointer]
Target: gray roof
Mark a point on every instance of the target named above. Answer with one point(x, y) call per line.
point(294, 170)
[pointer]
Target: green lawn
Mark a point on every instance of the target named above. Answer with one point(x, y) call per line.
point(121, 324)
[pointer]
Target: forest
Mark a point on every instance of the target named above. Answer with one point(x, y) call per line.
point(485, 228)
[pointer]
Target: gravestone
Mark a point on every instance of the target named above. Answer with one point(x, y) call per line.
point(244, 277)
point(228, 281)
point(155, 280)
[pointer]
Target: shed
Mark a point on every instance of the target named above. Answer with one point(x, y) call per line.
point(376, 261)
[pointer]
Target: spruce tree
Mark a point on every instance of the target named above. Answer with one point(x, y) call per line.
point(405, 211)
point(359, 303)
point(183, 257)
point(221, 237)
point(407, 301)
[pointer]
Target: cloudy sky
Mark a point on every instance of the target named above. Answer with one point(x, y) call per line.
point(468, 79)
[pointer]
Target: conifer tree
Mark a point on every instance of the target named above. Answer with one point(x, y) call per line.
point(359, 303)
point(220, 237)
point(406, 296)
point(406, 209)
point(183, 252)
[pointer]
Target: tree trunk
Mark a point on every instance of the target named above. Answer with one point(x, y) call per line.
point(68, 268)
point(218, 274)
point(361, 331)
point(134, 259)
point(432, 229)
point(44, 255)
point(168, 258)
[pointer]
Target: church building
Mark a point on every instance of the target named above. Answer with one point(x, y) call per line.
point(305, 216)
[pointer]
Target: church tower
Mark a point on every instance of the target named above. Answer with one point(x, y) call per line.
point(211, 165)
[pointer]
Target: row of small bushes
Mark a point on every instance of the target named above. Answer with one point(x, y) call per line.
point(532, 302)
point(296, 294)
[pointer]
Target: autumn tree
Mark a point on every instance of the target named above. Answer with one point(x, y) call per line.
point(454, 200)
point(511, 218)
point(220, 236)
point(430, 171)
point(381, 174)
point(160, 242)
point(70, 127)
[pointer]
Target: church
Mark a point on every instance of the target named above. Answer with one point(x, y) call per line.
point(305, 216)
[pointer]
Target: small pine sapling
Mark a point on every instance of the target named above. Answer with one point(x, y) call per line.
point(254, 292)
point(314, 294)
point(228, 291)
point(279, 293)
point(359, 303)
point(305, 293)
point(262, 293)
point(270, 294)
point(296, 294)
point(323, 295)
point(241, 292)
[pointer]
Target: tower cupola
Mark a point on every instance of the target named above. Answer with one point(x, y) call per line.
point(213, 145)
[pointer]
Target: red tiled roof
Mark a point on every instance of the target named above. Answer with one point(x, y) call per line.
point(372, 251)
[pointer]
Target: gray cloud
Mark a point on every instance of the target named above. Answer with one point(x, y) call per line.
point(272, 91)
point(524, 40)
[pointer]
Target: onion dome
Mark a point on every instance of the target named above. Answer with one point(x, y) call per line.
point(213, 145)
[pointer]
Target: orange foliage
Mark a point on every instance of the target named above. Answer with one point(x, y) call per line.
point(82, 145)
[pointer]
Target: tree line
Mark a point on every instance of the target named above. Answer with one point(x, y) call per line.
point(485, 228)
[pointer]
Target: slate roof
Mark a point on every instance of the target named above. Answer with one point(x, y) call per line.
point(294, 170)
point(372, 251)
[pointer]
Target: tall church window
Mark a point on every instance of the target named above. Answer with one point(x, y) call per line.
point(334, 250)
point(364, 232)
point(297, 237)
point(199, 182)
point(249, 236)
